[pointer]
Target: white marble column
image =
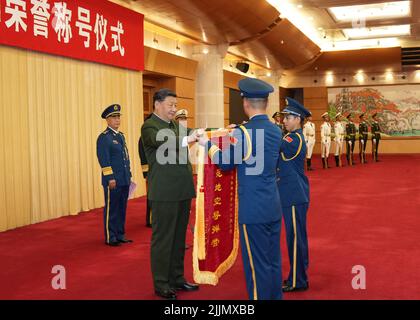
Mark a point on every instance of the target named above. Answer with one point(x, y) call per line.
point(209, 103)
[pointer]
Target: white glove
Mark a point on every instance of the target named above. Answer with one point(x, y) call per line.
point(350, 143)
point(195, 135)
point(203, 140)
point(374, 140)
point(192, 137)
point(362, 141)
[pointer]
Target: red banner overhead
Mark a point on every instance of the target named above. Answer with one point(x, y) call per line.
point(91, 30)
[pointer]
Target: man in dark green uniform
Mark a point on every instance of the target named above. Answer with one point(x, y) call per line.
point(376, 136)
point(350, 139)
point(145, 169)
point(363, 137)
point(171, 189)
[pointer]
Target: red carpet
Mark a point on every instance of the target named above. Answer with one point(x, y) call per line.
point(363, 215)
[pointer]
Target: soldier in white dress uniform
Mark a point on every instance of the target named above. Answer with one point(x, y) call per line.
point(309, 134)
point(340, 132)
point(325, 140)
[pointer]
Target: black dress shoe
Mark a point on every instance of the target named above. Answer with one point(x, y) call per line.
point(166, 294)
point(288, 288)
point(113, 243)
point(125, 240)
point(187, 287)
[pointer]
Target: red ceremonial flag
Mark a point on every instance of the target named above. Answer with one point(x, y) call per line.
point(216, 236)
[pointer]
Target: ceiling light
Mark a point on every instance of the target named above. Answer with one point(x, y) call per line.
point(329, 77)
point(360, 77)
point(362, 44)
point(374, 32)
point(371, 11)
point(389, 76)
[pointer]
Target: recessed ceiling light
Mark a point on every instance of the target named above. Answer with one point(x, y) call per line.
point(362, 44)
point(372, 11)
point(299, 6)
point(374, 32)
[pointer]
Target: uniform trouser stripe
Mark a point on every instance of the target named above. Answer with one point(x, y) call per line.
point(251, 262)
point(107, 215)
point(294, 246)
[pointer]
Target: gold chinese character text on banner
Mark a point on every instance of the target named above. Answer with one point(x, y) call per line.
point(217, 201)
point(215, 229)
point(216, 215)
point(219, 173)
point(218, 187)
point(215, 243)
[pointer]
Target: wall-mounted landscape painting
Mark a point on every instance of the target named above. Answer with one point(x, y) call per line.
point(398, 107)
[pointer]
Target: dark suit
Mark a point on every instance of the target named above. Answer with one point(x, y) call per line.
point(115, 163)
point(171, 188)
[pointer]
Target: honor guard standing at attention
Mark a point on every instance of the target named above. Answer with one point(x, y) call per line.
point(325, 140)
point(363, 138)
point(277, 121)
point(376, 137)
point(145, 169)
point(181, 116)
point(171, 188)
point(309, 134)
point(340, 132)
point(350, 138)
point(293, 188)
point(113, 158)
point(256, 151)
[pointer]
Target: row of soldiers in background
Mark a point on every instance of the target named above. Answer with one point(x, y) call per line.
point(342, 132)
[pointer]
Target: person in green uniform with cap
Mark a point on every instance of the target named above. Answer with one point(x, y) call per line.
point(171, 189)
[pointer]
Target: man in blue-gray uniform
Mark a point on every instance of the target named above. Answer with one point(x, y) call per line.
point(255, 153)
point(113, 158)
point(293, 187)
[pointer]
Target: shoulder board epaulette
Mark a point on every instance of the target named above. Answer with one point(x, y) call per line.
point(121, 132)
point(106, 131)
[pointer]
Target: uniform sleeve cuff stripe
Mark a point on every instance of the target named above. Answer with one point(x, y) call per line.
point(212, 151)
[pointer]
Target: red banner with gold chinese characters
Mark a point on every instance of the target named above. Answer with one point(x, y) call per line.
point(216, 236)
point(90, 30)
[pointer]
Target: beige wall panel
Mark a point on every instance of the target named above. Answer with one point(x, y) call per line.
point(186, 104)
point(231, 79)
point(226, 111)
point(316, 104)
point(169, 64)
point(185, 88)
point(316, 92)
point(168, 83)
point(226, 95)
